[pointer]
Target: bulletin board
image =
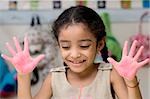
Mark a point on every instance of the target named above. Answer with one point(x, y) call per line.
point(21, 11)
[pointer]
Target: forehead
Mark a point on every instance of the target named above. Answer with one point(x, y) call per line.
point(75, 32)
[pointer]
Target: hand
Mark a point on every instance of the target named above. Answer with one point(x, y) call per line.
point(22, 60)
point(129, 65)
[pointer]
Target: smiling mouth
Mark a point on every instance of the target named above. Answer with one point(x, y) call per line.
point(77, 62)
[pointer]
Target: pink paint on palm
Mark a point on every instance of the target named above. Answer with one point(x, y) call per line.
point(129, 65)
point(21, 59)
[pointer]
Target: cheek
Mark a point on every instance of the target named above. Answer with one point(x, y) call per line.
point(91, 56)
point(92, 53)
point(63, 53)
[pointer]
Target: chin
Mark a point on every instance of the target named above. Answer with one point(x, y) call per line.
point(76, 70)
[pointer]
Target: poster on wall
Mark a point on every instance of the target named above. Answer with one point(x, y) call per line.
point(3, 5)
point(66, 3)
point(23, 5)
point(13, 4)
point(82, 2)
point(57, 4)
point(63, 4)
point(101, 4)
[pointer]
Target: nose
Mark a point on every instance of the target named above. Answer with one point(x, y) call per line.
point(75, 53)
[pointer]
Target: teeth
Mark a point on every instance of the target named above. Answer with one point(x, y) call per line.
point(77, 62)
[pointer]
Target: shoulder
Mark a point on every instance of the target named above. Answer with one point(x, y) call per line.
point(105, 66)
point(47, 81)
point(58, 69)
point(48, 77)
point(118, 84)
point(45, 91)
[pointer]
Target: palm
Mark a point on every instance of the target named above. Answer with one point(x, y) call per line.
point(22, 60)
point(126, 67)
point(129, 64)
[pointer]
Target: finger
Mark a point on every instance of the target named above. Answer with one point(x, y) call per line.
point(17, 44)
point(143, 63)
point(26, 44)
point(10, 49)
point(138, 53)
point(38, 59)
point(6, 58)
point(112, 61)
point(132, 49)
point(125, 49)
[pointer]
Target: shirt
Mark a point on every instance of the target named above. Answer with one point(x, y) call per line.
point(100, 88)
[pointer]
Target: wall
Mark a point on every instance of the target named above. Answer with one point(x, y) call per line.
point(122, 32)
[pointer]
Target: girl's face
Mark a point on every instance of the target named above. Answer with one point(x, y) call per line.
point(77, 46)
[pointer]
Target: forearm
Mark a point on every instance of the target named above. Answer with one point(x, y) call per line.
point(133, 89)
point(24, 87)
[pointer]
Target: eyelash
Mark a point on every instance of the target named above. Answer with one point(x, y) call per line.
point(83, 47)
point(65, 47)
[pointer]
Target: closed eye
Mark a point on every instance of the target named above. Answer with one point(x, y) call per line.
point(65, 47)
point(85, 47)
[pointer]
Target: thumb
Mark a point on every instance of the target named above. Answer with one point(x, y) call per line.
point(112, 61)
point(6, 58)
point(38, 59)
point(143, 63)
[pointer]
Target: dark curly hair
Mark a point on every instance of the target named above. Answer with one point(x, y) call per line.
point(85, 15)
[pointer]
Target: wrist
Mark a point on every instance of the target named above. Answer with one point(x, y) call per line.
point(21, 76)
point(132, 83)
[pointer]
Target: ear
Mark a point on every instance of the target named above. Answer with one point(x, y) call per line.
point(101, 44)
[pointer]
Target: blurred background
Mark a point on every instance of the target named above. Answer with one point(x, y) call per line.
point(124, 20)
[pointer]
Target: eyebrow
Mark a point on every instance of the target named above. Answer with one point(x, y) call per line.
point(64, 41)
point(82, 40)
point(87, 40)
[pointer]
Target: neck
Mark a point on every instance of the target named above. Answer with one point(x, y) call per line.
point(92, 70)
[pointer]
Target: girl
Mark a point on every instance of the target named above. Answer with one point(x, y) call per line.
point(80, 33)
